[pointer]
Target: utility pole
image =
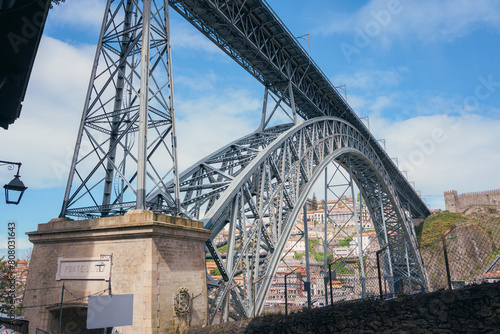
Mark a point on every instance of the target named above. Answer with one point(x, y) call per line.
point(307, 283)
point(325, 243)
point(61, 310)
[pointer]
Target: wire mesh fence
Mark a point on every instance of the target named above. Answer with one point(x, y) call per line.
point(467, 253)
point(289, 292)
point(344, 280)
point(349, 271)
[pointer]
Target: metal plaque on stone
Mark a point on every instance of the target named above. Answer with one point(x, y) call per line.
point(82, 269)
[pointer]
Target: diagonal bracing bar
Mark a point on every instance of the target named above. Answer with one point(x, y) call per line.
point(262, 201)
point(255, 37)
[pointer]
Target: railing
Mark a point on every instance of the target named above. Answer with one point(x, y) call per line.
point(41, 331)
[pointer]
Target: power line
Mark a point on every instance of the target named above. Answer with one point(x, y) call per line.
point(72, 300)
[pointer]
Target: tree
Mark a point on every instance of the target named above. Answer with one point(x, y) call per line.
point(9, 281)
point(314, 203)
point(222, 249)
point(346, 242)
point(215, 272)
point(320, 257)
point(55, 2)
point(299, 256)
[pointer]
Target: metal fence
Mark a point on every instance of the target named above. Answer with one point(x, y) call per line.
point(345, 280)
point(41, 331)
point(9, 325)
point(467, 253)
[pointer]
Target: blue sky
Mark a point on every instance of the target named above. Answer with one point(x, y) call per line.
point(426, 73)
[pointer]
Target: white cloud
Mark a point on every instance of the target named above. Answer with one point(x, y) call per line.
point(358, 103)
point(187, 37)
point(22, 244)
point(88, 14)
point(45, 134)
point(442, 142)
point(23, 247)
point(377, 92)
point(197, 81)
point(78, 14)
point(46, 131)
point(212, 121)
point(443, 153)
point(427, 20)
point(369, 79)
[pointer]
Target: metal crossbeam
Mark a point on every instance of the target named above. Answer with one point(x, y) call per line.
point(254, 36)
point(262, 202)
point(256, 185)
point(121, 153)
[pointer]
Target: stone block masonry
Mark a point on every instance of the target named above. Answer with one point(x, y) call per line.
point(154, 256)
point(460, 203)
point(474, 309)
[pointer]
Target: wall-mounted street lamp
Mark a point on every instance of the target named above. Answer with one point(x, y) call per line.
point(101, 266)
point(14, 190)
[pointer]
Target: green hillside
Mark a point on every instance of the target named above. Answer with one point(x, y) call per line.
point(429, 233)
point(472, 246)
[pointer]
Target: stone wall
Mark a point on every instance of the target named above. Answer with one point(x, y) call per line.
point(154, 256)
point(474, 309)
point(460, 203)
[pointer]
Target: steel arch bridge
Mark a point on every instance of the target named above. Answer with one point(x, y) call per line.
point(255, 188)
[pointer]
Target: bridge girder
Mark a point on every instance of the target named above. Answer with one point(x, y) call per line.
point(254, 36)
point(256, 185)
point(250, 33)
point(255, 188)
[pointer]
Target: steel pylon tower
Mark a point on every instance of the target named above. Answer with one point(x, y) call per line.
point(126, 144)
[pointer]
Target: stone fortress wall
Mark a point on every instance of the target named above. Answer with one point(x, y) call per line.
point(460, 203)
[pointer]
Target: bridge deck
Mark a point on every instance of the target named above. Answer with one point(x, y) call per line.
point(254, 36)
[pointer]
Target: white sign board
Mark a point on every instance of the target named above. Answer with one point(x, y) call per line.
point(83, 268)
point(110, 311)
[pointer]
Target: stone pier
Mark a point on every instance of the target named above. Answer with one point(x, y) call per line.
point(157, 258)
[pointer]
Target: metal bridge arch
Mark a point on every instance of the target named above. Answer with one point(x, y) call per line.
point(253, 190)
point(254, 186)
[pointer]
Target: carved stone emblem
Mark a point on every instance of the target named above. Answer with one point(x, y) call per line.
point(181, 302)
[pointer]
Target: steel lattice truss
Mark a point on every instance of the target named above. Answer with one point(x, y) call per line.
point(103, 175)
point(254, 36)
point(255, 187)
point(340, 184)
point(248, 31)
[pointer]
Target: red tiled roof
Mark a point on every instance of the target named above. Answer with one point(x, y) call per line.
point(491, 275)
point(366, 234)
